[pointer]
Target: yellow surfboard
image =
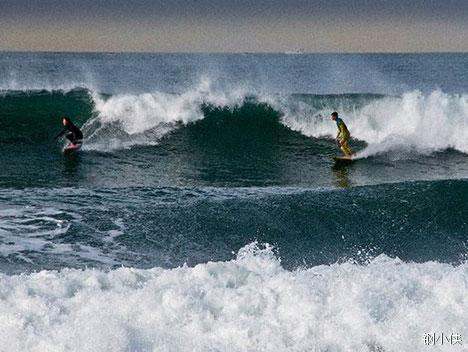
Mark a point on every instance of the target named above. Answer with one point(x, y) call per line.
point(343, 160)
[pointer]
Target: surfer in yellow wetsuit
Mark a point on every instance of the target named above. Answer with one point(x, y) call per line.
point(343, 135)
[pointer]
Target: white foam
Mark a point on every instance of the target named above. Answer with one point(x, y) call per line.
point(39, 230)
point(247, 304)
point(145, 118)
point(414, 122)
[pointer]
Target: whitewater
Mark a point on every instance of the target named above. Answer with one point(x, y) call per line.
point(247, 304)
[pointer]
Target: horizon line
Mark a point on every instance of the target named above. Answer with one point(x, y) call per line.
point(291, 53)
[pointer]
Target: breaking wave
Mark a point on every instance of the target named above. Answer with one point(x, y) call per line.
point(414, 122)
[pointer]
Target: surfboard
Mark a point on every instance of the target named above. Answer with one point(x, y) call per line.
point(343, 160)
point(71, 148)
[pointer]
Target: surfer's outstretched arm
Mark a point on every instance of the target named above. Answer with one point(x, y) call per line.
point(61, 133)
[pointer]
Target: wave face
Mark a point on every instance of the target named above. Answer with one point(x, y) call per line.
point(412, 123)
point(250, 303)
point(143, 119)
point(235, 131)
point(28, 117)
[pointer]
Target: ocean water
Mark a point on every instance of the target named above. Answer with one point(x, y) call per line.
point(205, 212)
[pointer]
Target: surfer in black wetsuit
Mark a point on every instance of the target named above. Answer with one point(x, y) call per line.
point(71, 132)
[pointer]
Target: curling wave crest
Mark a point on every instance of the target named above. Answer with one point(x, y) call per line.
point(414, 122)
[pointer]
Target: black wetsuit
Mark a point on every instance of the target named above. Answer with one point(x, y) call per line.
point(72, 133)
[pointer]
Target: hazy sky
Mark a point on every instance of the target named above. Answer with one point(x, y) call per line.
point(235, 25)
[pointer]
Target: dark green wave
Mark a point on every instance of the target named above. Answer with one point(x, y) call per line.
point(34, 116)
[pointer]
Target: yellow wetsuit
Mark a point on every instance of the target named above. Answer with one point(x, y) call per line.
point(343, 137)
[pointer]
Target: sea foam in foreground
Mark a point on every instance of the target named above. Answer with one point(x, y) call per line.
point(247, 304)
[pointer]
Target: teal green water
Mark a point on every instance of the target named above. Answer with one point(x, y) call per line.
point(180, 166)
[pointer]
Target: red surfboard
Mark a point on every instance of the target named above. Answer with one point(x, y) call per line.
point(72, 147)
